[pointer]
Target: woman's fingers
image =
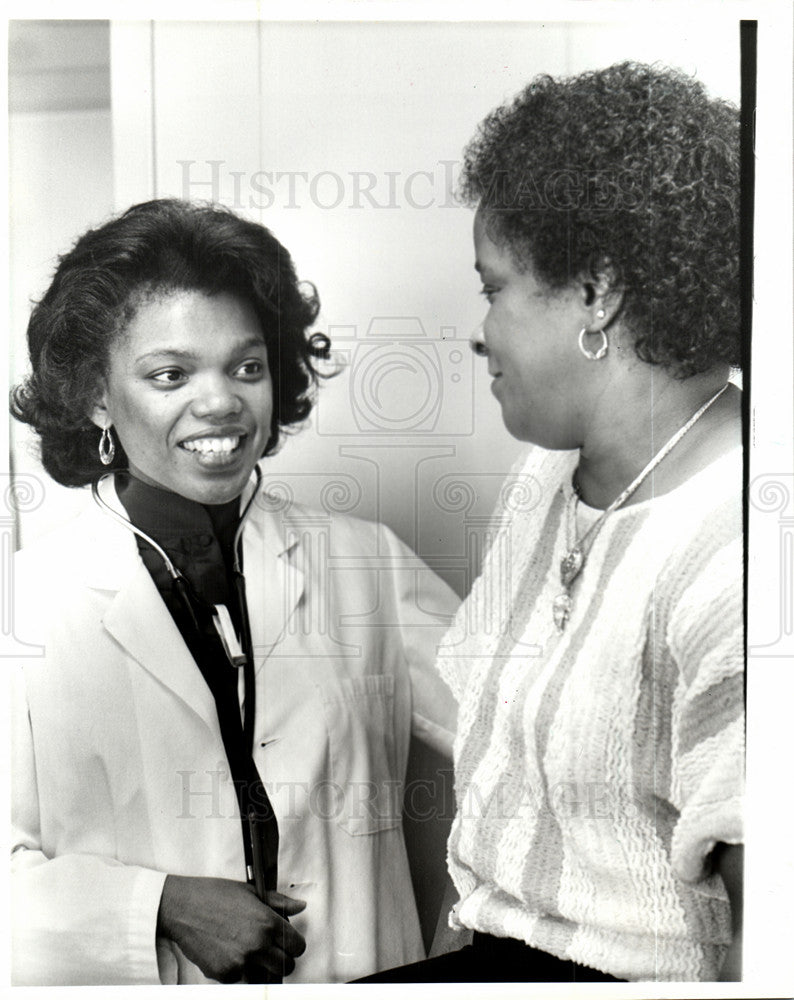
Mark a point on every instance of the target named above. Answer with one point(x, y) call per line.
point(272, 963)
point(281, 934)
point(286, 905)
point(224, 928)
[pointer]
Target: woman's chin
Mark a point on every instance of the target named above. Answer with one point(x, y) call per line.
point(550, 438)
point(202, 482)
point(221, 487)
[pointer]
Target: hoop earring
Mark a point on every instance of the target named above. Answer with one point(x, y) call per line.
point(107, 447)
point(602, 350)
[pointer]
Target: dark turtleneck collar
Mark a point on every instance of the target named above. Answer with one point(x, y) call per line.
point(168, 517)
point(199, 538)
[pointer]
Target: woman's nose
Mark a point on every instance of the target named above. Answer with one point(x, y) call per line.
point(477, 342)
point(216, 397)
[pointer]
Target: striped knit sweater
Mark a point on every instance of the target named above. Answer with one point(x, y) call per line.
point(595, 770)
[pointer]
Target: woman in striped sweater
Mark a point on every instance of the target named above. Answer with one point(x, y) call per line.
point(598, 662)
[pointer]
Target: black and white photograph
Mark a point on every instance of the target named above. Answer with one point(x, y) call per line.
point(398, 507)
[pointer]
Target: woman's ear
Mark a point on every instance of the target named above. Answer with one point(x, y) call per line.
point(99, 415)
point(602, 293)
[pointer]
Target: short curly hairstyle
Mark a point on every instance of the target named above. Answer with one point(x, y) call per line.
point(154, 248)
point(630, 172)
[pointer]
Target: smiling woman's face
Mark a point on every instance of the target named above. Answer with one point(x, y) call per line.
point(531, 338)
point(189, 394)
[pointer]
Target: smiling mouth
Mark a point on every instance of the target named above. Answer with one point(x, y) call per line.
point(215, 450)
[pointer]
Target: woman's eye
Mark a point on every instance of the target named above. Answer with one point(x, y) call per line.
point(251, 369)
point(168, 376)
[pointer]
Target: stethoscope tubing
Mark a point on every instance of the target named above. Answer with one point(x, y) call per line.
point(181, 587)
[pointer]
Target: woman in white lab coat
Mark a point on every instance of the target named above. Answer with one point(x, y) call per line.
point(208, 767)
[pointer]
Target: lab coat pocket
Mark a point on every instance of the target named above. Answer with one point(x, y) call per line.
point(365, 792)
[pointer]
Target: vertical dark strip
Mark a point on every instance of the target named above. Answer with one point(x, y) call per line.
point(16, 527)
point(748, 42)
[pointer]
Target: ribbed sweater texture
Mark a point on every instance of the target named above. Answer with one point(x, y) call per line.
point(596, 769)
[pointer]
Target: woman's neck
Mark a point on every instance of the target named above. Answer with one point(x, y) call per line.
point(624, 438)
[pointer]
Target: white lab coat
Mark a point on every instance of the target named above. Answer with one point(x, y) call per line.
point(119, 772)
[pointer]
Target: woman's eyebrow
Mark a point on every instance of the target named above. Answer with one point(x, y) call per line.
point(183, 354)
point(170, 352)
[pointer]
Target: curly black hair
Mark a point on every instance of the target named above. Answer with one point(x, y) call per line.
point(154, 248)
point(629, 172)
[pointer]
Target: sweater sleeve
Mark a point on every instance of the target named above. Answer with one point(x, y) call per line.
point(706, 639)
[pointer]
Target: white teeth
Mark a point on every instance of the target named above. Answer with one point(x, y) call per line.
point(207, 445)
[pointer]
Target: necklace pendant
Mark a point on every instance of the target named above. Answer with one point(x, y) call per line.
point(561, 609)
point(571, 565)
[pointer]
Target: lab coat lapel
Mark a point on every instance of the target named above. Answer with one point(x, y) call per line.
point(138, 619)
point(274, 579)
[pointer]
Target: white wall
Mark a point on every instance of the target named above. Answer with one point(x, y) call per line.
point(345, 139)
point(60, 183)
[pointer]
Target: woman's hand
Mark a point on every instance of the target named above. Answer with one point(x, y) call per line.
point(224, 928)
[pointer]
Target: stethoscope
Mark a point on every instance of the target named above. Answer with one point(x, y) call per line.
point(239, 653)
point(260, 873)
